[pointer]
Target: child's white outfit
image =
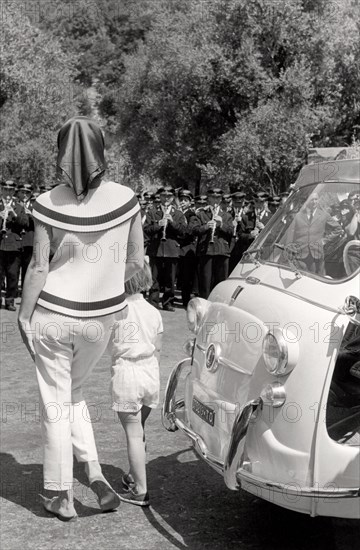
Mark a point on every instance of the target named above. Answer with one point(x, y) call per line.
point(135, 377)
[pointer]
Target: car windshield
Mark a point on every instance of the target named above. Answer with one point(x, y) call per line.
point(317, 232)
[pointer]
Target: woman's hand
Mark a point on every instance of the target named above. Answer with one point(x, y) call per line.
point(27, 336)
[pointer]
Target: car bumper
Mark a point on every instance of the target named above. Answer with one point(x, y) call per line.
point(235, 472)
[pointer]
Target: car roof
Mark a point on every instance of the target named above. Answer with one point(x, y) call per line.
point(341, 171)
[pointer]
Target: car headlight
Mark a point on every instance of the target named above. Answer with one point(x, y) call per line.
point(196, 311)
point(280, 352)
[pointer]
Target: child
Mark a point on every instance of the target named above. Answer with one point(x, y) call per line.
point(135, 380)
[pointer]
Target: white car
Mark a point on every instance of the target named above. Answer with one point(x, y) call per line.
point(271, 398)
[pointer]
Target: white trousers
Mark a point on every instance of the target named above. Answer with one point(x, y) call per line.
point(66, 349)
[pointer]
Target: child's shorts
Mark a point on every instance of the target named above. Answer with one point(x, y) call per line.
point(134, 383)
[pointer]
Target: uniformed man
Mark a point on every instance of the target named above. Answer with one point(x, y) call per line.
point(13, 221)
point(149, 200)
point(24, 195)
point(274, 203)
point(241, 230)
point(262, 211)
point(213, 248)
point(227, 204)
point(200, 202)
point(164, 225)
point(187, 260)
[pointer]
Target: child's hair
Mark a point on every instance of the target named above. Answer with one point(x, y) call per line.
point(141, 281)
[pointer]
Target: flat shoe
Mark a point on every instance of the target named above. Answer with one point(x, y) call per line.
point(107, 498)
point(47, 504)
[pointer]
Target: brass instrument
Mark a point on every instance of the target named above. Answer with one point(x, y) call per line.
point(8, 209)
point(214, 212)
point(166, 211)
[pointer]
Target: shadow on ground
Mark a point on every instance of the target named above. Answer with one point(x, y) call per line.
point(194, 502)
point(191, 508)
point(23, 483)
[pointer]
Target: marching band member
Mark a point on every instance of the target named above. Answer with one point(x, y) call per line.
point(200, 202)
point(144, 208)
point(227, 203)
point(24, 196)
point(13, 221)
point(274, 203)
point(213, 250)
point(164, 225)
point(262, 211)
point(237, 247)
point(187, 259)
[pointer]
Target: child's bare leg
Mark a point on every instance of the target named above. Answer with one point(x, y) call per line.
point(145, 411)
point(132, 424)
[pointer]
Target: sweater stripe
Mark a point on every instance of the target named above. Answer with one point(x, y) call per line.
point(47, 298)
point(120, 214)
point(88, 228)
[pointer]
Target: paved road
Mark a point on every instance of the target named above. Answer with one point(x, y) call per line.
point(191, 508)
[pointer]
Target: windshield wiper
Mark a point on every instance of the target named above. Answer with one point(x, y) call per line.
point(293, 266)
point(248, 255)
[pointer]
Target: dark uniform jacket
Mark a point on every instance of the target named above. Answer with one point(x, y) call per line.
point(11, 240)
point(188, 241)
point(222, 235)
point(175, 230)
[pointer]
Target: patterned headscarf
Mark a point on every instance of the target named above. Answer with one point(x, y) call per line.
point(81, 154)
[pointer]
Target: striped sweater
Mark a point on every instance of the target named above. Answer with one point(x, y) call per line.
point(89, 240)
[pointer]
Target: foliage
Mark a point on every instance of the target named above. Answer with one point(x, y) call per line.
point(231, 91)
point(192, 92)
point(37, 95)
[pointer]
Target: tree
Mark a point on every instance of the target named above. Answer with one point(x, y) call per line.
point(37, 96)
point(224, 90)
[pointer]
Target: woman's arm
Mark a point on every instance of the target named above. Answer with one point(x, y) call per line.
point(34, 281)
point(135, 248)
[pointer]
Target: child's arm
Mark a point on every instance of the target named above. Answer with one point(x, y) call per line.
point(158, 343)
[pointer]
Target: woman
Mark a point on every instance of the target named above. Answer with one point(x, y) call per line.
point(93, 229)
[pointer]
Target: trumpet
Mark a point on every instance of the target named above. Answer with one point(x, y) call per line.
point(8, 209)
point(166, 212)
point(214, 213)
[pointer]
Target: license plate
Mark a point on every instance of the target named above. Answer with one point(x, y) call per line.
point(203, 411)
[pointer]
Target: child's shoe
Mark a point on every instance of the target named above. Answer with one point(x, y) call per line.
point(131, 497)
point(128, 482)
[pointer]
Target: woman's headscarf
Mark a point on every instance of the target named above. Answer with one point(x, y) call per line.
point(81, 153)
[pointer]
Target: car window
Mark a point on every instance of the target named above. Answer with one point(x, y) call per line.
point(317, 231)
